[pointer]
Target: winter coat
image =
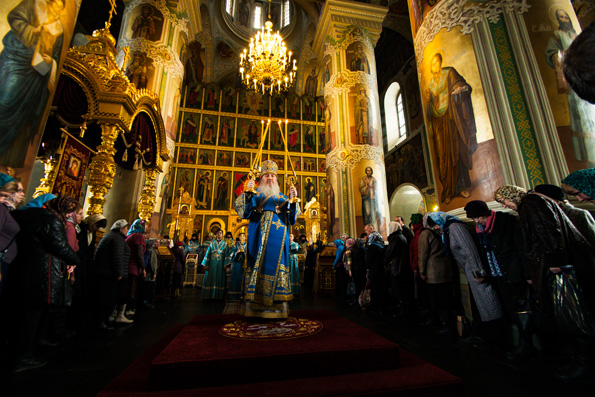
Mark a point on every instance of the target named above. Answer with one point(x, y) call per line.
point(180, 260)
point(507, 243)
point(582, 220)
point(136, 243)
point(551, 240)
point(42, 258)
point(396, 256)
point(112, 256)
point(433, 261)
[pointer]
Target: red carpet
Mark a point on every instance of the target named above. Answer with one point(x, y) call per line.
point(342, 359)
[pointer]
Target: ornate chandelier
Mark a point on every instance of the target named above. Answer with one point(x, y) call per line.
point(267, 67)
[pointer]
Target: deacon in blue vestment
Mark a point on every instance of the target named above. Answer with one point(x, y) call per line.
point(267, 286)
point(215, 259)
point(294, 249)
point(237, 258)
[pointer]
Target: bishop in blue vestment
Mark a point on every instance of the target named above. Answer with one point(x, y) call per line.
point(267, 284)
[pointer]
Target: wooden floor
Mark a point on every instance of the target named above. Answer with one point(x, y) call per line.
point(86, 363)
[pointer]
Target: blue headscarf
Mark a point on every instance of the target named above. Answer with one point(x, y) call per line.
point(443, 220)
point(5, 178)
point(138, 226)
point(38, 201)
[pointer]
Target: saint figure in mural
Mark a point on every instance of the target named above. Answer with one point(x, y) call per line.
point(244, 14)
point(225, 133)
point(359, 62)
point(186, 180)
point(309, 139)
point(253, 134)
point(144, 25)
point(292, 137)
point(370, 207)
point(209, 131)
point(581, 113)
point(28, 71)
point(311, 84)
point(309, 190)
point(222, 190)
point(189, 131)
point(202, 190)
point(362, 110)
point(451, 128)
point(137, 72)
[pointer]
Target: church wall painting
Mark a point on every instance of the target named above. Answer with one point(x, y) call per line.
point(190, 127)
point(208, 129)
point(222, 190)
point(187, 155)
point(248, 134)
point(363, 124)
point(206, 157)
point(406, 165)
point(184, 179)
point(224, 158)
point(146, 22)
point(202, 194)
point(452, 74)
point(242, 160)
point(226, 131)
point(211, 97)
point(140, 70)
point(228, 100)
point(30, 79)
point(368, 201)
point(309, 143)
point(552, 25)
point(293, 137)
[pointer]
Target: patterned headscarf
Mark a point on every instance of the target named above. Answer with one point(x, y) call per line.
point(376, 239)
point(510, 192)
point(583, 181)
point(61, 206)
point(138, 226)
point(441, 219)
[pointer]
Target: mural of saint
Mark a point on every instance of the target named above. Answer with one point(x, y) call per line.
point(187, 156)
point(253, 134)
point(208, 132)
point(362, 122)
point(252, 103)
point(145, 24)
point(311, 84)
point(74, 167)
point(203, 190)
point(207, 157)
point(194, 96)
point(189, 133)
point(244, 14)
point(275, 137)
point(294, 107)
point(309, 108)
point(309, 190)
point(226, 132)
point(29, 71)
point(293, 135)
point(452, 128)
point(309, 140)
point(581, 113)
point(137, 72)
point(222, 192)
point(185, 180)
point(370, 206)
point(242, 160)
point(279, 106)
point(228, 103)
point(211, 98)
point(223, 158)
point(359, 62)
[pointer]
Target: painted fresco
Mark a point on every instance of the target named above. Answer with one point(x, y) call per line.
point(418, 9)
point(211, 97)
point(140, 70)
point(30, 64)
point(203, 189)
point(226, 131)
point(309, 143)
point(311, 85)
point(458, 123)
point(184, 179)
point(189, 129)
point(228, 100)
point(330, 139)
point(357, 58)
point(187, 156)
point(275, 137)
point(194, 95)
point(206, 157)
point(242, 160)
point(369, 205)
point(310, 190)
point(363, 124)
point(208, 130)
point(224, 158)
point(248, 135)
point(406, 165)
point(552, 26)
point(293, 107)
point(278, 106)
point(293, 137)
point(222, 190)
point(147, 23)
point(252, 103)
point(309, 107)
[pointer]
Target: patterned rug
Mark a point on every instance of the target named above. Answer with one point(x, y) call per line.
point(286, 329)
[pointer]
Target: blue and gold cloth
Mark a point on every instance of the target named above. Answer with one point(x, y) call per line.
point(215, 259)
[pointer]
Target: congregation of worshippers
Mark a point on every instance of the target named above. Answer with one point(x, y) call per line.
point(529, 266)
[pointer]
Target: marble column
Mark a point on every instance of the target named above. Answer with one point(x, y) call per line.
point(356, 182)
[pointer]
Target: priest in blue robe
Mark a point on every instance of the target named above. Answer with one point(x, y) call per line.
point(267, 283)
point(215, 260)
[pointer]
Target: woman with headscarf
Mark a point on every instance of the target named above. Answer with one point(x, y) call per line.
point(110, 265)
point(8, 226)
point(420, 288)
point(398, 269)
point(461, 246)
point(43, 264)
point(555, 249)
point(136, 265)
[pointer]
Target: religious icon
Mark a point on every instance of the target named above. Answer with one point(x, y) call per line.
point(74, 167)
point(221, 201)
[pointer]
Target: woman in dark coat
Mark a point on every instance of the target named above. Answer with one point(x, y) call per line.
point(396, 263)
point(109, 267)
point(554, 246)
point(179, 268)
point(8, 226)
point(43, 265)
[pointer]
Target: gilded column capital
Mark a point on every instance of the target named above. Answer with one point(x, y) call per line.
point(49, 176)
point(103, 168)
point(146, 203)
point(340, 17)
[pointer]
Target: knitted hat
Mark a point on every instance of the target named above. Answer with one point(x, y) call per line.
point(477, 208)
point(119, 224)
point(552, 191)
point(269, 167)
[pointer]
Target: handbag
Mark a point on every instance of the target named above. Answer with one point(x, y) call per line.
point(572, 315)
point(351, 287)
point(365, 299)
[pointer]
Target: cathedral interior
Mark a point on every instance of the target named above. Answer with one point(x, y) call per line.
point(397, 107)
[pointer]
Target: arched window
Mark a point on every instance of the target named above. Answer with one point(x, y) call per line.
point(229, 6)
point(394, 114)
point(257, 16)
point(286, 13)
